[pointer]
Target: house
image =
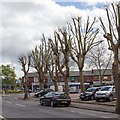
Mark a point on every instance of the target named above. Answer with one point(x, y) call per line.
point(88, 76)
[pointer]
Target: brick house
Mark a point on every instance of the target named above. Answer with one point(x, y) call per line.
point(88, 76)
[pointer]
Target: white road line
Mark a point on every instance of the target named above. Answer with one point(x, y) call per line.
point(93, 115)
point(72, 111)
point(9, 102)
point(81, 113)
point(16, 98)
point(1, 117)
point(21, 105)
point(105, 117)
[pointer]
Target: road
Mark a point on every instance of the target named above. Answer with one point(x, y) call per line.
point(12, 107)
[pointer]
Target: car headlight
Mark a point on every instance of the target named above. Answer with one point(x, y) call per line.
point(107, 93)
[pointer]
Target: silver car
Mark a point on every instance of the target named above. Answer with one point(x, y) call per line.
point(106, 93)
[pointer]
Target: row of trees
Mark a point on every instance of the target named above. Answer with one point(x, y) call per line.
point(73, 42)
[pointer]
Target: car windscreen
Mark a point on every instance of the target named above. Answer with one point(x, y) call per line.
point(58, 94)
point(48, 90)
point(90, 89)
point(106, 89)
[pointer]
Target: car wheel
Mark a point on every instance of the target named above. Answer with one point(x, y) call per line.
point(52, 104)
point(41, 102)
point(111, 98)
point(67, 105)
point(82, 99)
point(97, 100)
point(92, 98)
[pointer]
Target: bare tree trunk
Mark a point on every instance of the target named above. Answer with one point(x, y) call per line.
point(118, 96)
point(56, 73)
point(67, 73)
point(81, 80)
point(26, 92)
point(55, 85)
point(66, 85)
point(116, 75)
point(101, 80)
point(25, 89)
point(40, 80)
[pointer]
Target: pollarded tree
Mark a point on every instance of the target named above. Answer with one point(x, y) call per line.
point(100, 59)
point(112, 35)
point(84, 40)
point(64, 39)
point(61, 47)
point(53, 70)
point(25, 62)
point(40, 60)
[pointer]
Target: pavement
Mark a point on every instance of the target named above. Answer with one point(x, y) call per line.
point(92, 104)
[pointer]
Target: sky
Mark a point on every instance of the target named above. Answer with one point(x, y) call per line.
point(22, 22)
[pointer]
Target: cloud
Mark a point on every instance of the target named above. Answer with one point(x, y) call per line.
point(24, 21)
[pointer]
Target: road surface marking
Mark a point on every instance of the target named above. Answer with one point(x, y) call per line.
point(72, 111)
point(81, 113)
point(21, 105)
point(1, 117)
point(16, 98)
point(9, 102)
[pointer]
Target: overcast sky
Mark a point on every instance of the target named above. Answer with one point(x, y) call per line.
point(24, 21)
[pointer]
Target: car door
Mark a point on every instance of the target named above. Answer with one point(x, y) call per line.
point(45, 98)
point(48, 97)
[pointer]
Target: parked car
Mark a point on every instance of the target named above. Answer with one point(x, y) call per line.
point(106, 93)
point(43, 92)
point(55, 98)
point(89, 94)
point(29, 90)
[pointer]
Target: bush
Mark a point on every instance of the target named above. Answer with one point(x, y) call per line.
point(10, 91)
point(1, 91)
point(18, 91)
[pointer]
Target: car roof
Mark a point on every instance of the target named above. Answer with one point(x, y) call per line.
point(94, 87)
point(57, 92)
point(108, 86)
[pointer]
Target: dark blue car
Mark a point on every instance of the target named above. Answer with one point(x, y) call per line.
point(89, 94)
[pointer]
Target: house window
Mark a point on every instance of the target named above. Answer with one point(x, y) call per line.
point(73, 79)
point(105, 77)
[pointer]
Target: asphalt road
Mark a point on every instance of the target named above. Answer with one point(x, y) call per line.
point(12, 107)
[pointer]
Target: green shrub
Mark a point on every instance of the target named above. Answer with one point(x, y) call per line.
point(18, 91)
point(10, 91)
point(1, 91)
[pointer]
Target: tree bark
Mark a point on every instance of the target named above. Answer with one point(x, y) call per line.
point(40, 81)
point(66, 73)
point(116, 75)
point(25, 89)
point(66, 85)
point(101, 80)
point(81, 79)
point(118, 96)
point(55, 84)
point(26, 92)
